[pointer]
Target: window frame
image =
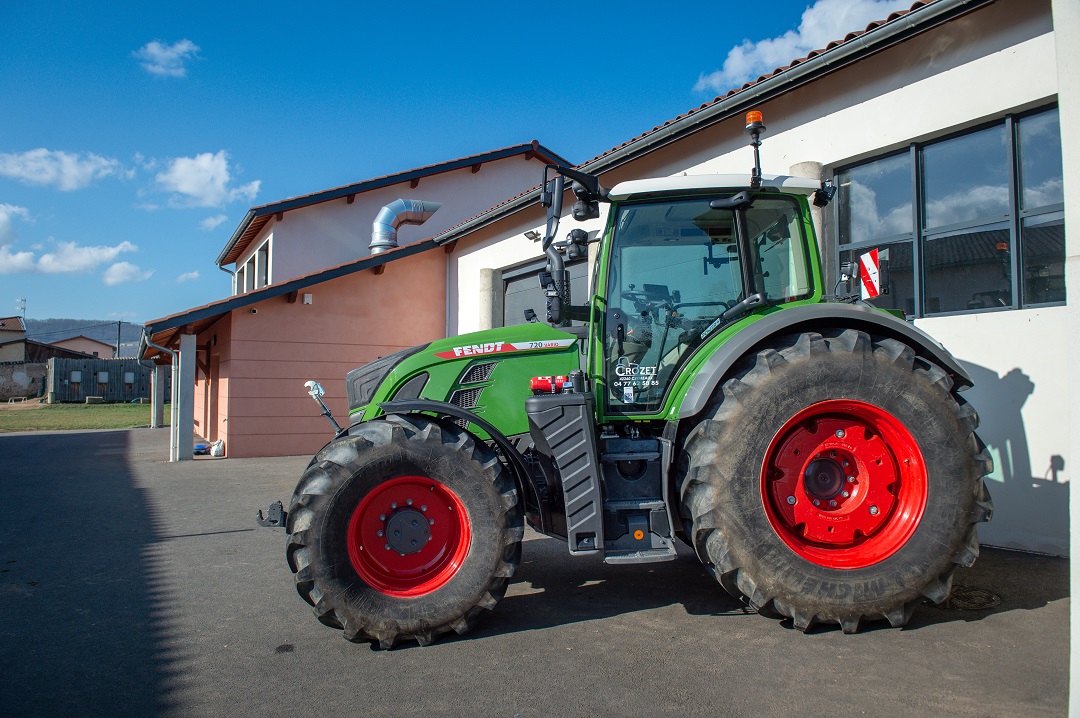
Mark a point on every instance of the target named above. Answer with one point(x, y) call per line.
point(919, 233)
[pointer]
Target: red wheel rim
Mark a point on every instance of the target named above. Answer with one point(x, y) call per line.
point(844, 484)
point(409, 536)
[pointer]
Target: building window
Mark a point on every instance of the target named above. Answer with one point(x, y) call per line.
point(262, 265)
point(249, 275)
point(968, 223)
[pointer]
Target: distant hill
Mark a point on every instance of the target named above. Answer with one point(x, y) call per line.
point(53, 330)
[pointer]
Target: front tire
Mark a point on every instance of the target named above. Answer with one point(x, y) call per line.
point(405, 528)
point(838, 479)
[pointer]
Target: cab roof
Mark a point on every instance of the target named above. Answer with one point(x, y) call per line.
point(689, 183)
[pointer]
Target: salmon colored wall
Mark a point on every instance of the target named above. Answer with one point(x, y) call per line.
point(266, 357)
point(210, 424)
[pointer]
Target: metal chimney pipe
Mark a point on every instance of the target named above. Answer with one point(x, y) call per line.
point(395, 214)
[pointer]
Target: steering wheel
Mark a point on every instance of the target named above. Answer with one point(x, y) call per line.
point(636, 297)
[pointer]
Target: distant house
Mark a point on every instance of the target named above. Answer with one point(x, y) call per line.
point(86, 345)
point(311, 301)
point(12, 339)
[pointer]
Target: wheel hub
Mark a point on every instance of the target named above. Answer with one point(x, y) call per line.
point(824, 479)
point(844, 484)
point(407, 531)
point(409, 536)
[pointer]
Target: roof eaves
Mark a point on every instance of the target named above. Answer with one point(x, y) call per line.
point(915, 20)
point(877, 36)
point(328, 195)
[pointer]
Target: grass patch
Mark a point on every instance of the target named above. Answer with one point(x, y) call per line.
point(61, 417)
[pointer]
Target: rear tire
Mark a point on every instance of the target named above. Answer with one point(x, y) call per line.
point(837, 479)
point(403, 529)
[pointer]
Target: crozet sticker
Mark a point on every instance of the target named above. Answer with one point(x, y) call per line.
point(631, 377)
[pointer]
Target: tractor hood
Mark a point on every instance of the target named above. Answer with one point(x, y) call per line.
point(484, 372)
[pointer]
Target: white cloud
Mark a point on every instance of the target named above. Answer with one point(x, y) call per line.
point(211, 223)
point(188, 277)
point(64, 170)
point(203, 181)
point(822, 22)
point(124, 272)
point(163, 60)
point(69, 257)
point(15, 262)
point(9, 212)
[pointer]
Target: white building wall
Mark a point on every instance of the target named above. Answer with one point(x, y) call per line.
point(985, 65)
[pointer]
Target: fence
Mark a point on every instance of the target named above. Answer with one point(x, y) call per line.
point(117, 380)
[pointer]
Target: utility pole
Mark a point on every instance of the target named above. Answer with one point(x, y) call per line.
point(118, 323)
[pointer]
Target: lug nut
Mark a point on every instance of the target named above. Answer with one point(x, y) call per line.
point(408, 501)
point(845, 463)
point(832, 503)
point(393, 506)
point(379, 532)
point(817, 503)
point(387, 547)
point(382, 517)
point(839, 435)
point(431, 522)
point(873, 510)
point(423, 507)
point(845, 494)
point(832, 454)
point(791, 500)
point(851, 479)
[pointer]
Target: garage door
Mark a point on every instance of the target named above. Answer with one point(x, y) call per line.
point(522, 291)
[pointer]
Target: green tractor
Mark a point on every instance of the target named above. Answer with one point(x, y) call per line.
point(812, 450)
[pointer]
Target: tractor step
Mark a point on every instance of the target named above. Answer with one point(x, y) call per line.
point(633, 504)
point(562, 427)
point(644, 556)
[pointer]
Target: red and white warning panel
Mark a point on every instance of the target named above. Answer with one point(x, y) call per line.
point(870, 274)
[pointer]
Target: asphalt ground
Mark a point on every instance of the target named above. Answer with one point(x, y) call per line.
point(134, 587)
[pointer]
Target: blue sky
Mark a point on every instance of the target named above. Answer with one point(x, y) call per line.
point(134, 136)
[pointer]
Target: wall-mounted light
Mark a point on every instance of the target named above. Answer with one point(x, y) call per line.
point(533, 235)
point(307, 299)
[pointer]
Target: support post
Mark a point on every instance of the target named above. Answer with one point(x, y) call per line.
point(491, 298)
point(183, 413)
point(157, 397)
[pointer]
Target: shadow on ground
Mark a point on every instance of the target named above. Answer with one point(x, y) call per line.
point(85, 628)
point(553, 589)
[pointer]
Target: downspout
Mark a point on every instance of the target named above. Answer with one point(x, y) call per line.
point(174, 422)
point(231, 273)
point(399, 212)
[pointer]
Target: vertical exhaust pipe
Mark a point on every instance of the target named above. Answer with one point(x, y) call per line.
point(399, 212)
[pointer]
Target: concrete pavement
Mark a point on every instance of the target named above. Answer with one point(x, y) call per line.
point(131, 586)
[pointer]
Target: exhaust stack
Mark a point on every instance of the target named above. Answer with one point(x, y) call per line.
point(399, 212)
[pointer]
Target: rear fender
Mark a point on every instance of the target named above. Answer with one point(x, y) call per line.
point(812, 318)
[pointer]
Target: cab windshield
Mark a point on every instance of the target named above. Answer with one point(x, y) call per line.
point(675, 268)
